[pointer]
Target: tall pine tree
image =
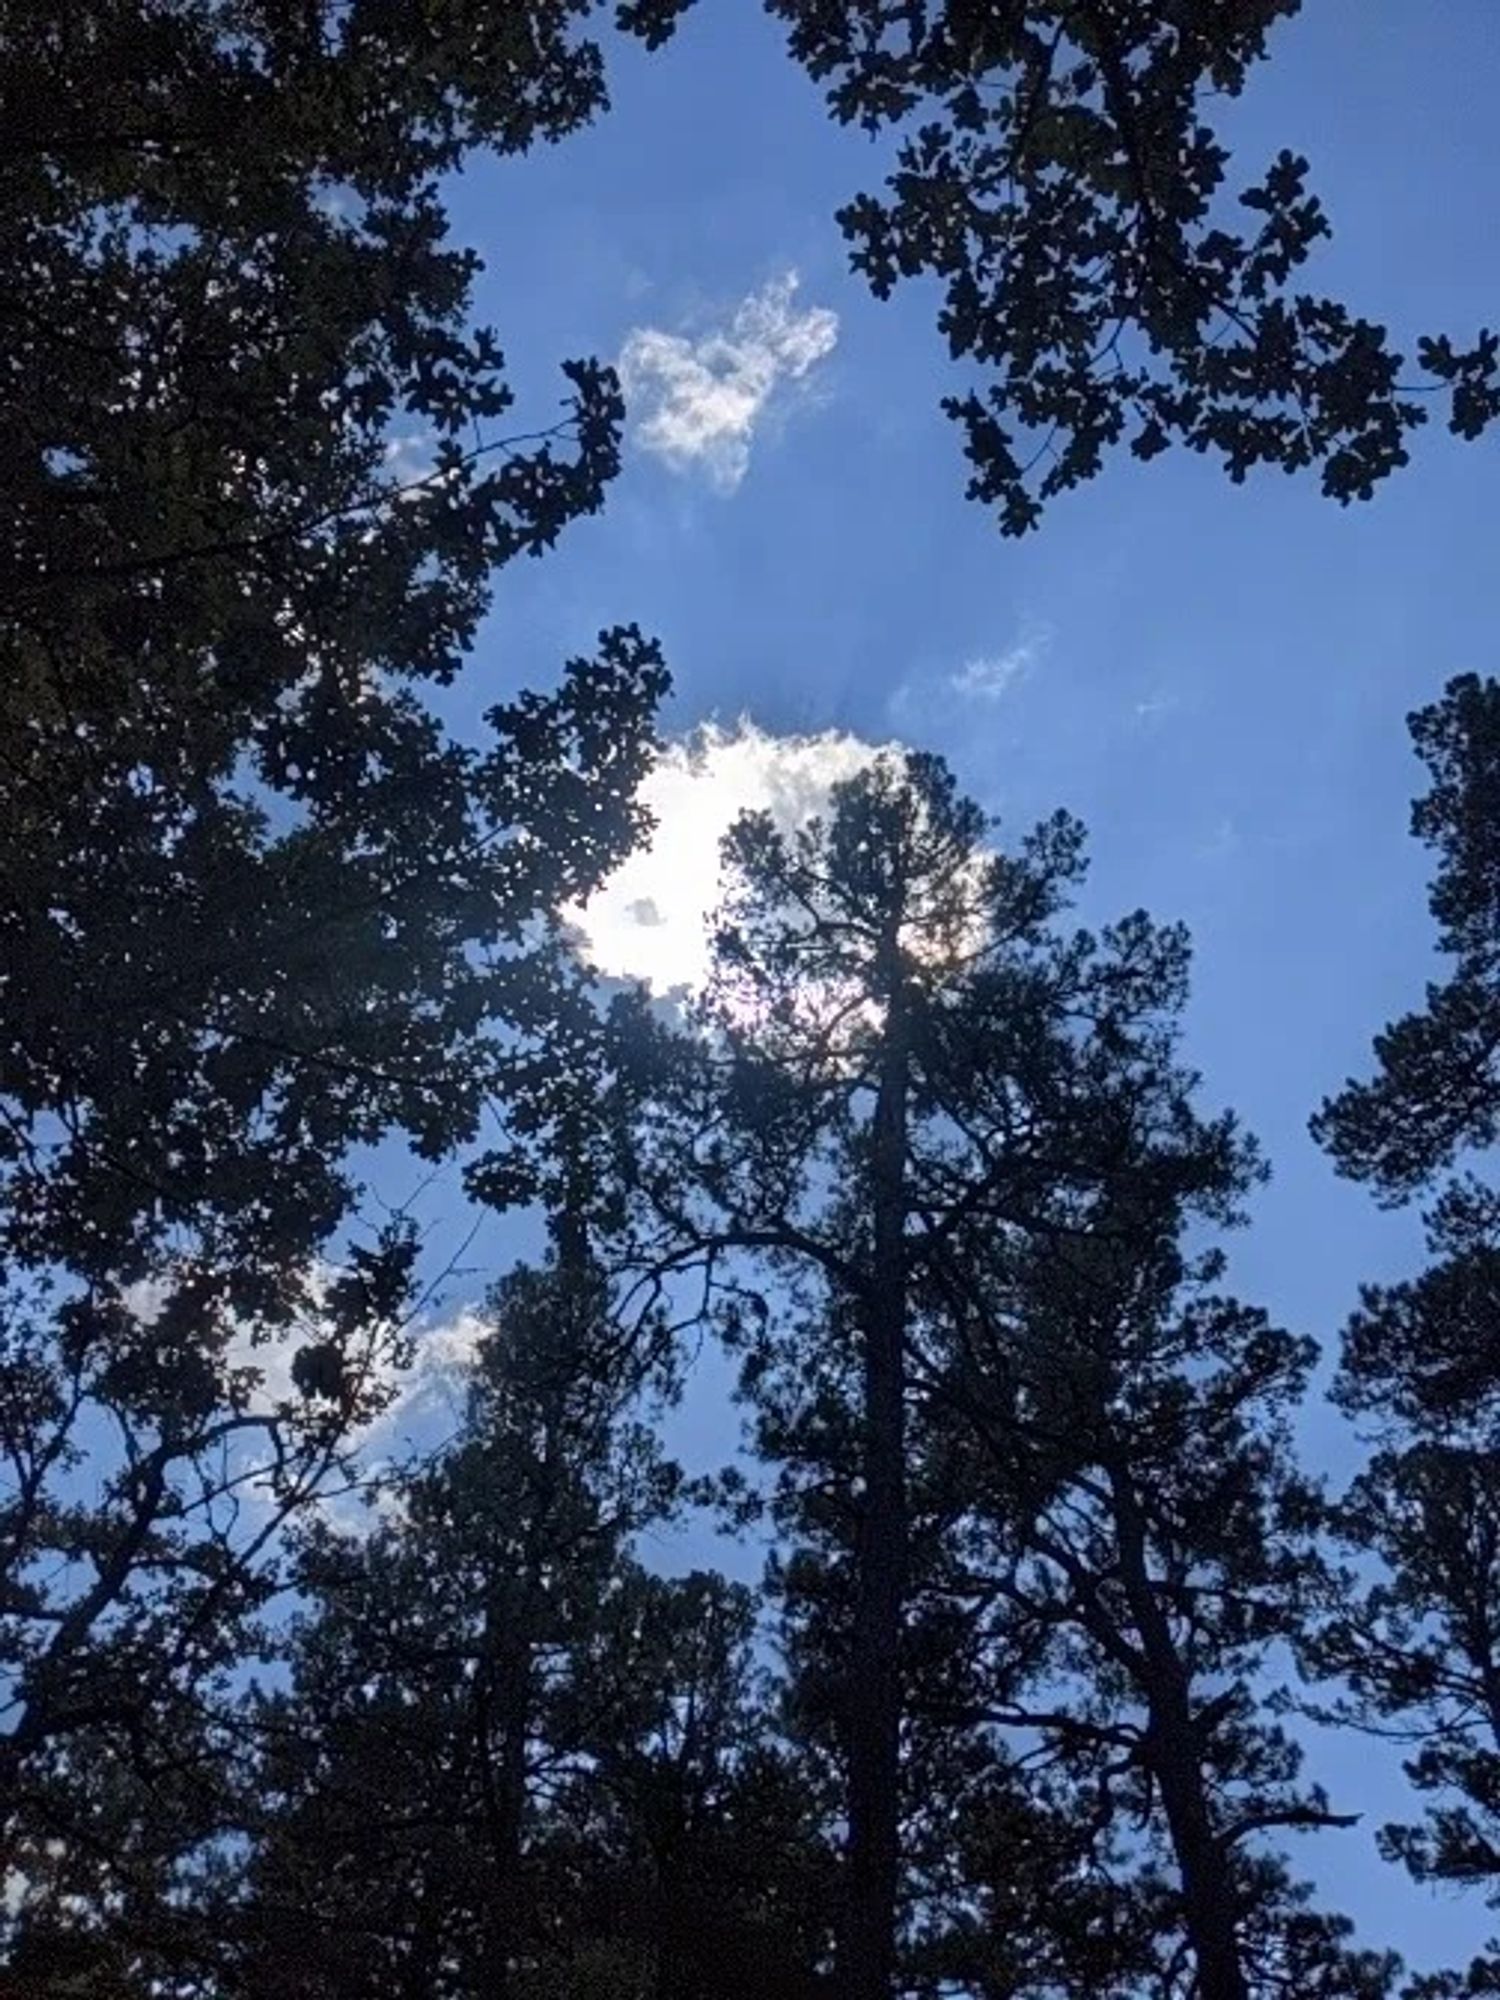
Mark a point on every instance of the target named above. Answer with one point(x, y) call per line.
point(1418, 1647)
point(959, 1138)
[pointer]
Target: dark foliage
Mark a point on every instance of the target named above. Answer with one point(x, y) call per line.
point(256, 908)
point(926, 1160)
point(258, 481)
point(510, 1760)
point(1417, 1649)
point(1059, 174)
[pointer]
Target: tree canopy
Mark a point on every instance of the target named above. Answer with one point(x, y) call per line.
point(1109, 277)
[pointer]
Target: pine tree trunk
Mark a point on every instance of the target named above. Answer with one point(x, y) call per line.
point(1208, 1901)
point(869, 1939)
point(1203, 1862)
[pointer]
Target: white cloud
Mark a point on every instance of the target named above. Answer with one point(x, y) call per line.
point(438, 1376)
point(434, 1379)
point(410, 458)
point(433, 1382)
point(650, 919)
point(1154, 707)
point(698, 402)
point(989, 676)
point(936, 703)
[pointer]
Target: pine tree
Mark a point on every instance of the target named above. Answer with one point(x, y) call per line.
point(1135, 1540)
point(959, 1139)
point(825, 955)
point(1418, 1648)
point(442, 1676)
point(510, 1759)
point(903, 1065)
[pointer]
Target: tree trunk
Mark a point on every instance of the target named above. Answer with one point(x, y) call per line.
point(1175, 1753)
point(1207, 1890)
point(503, 1710)
point(868, 1951)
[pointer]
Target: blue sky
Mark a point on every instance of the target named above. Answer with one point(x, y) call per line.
point(1213, 678)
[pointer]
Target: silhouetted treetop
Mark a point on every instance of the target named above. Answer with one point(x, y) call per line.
point(1436, 1091)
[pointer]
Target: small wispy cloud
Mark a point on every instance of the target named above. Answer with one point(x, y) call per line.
point(1155, 708)
point(1220, 842)
point(698, 402)
point(937, 700)
point(990, 676)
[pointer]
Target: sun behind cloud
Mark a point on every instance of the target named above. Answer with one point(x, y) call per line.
point(650, 920)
